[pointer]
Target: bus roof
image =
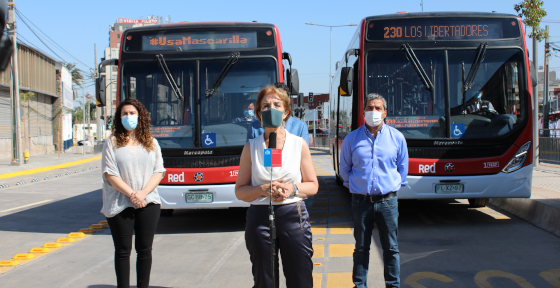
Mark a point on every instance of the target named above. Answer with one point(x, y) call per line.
point(441, 14)
point(204, 24)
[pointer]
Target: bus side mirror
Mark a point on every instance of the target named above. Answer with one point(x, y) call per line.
point(346, 77)
point(100, 91)
point(292, 80)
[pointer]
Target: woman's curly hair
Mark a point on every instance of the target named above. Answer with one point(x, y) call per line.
point(142, 130)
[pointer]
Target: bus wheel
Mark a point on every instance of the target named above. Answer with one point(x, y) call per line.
point(478, 202)
point(166, 212)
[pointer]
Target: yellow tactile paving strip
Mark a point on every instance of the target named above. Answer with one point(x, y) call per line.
point(329, 206)
point(37, 252)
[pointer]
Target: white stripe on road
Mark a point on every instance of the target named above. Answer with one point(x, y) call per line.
point(222, 259)
point(28, 205)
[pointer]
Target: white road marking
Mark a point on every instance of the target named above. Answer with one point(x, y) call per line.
point(222, 259)
point(28, 205)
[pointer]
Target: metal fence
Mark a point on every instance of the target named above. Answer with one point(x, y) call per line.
point(549, 145)
point(320, 140)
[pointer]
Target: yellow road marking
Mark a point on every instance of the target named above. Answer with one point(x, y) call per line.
point(495, 215)
point(28, 205)
point(339, 280)
point(317, 277)
point(552, 277)
point(318, 250)
point(42, 169)
point(481, 278)
point(318, 229)
point(341, 250)
point(413, 279)
point(341, 229)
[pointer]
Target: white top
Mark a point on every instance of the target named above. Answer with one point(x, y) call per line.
point(135, 166)
point(290, 171)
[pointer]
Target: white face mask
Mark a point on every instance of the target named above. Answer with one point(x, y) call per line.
point(373, 118)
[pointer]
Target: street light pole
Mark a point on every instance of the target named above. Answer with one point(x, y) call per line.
point(330, 53)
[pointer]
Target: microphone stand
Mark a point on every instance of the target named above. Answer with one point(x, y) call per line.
point(272, 234)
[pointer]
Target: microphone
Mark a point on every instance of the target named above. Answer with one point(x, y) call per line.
point(272, 140)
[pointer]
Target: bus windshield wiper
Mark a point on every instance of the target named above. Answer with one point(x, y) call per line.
point(418, 67)
point(469, 81)
point(231, 61)
point(169, 76)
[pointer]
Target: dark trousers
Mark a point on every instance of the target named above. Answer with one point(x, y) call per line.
point(385, 214)
point(293, 238)
point(143, 223)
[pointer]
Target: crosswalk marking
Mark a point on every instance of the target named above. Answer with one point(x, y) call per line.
point(341, 250)
point(339, 280)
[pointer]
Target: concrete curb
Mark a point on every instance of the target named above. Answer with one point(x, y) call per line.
point(43, 169)
point(544, 216)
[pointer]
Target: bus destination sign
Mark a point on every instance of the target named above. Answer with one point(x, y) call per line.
point(188, 41)
point(442, 29)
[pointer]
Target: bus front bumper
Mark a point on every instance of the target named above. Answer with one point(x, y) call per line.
point(223, 196)
point(516, 184)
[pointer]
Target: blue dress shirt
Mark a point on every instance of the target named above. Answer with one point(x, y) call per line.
point(293, 125)
point(374, 165)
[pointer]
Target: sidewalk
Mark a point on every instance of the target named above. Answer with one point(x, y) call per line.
point(45, 162)
point(543, 208)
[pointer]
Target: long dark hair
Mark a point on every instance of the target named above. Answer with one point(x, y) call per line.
point(142, 130)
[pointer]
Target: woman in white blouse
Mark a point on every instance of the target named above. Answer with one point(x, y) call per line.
point(291, 183)
point(132, 168)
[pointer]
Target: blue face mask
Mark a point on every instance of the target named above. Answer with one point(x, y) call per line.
point(248, 113)
point(130, 122)
point(272, 118)
point(477, 95)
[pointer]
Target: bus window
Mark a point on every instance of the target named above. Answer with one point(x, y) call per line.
point(171, 121)
point(492, 106)
point(223, 112)
point(415, 111)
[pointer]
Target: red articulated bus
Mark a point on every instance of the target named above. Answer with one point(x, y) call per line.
point(432, 68)
point(196, 79)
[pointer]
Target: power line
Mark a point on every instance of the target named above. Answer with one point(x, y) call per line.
point(33, 31)
point(21, 16)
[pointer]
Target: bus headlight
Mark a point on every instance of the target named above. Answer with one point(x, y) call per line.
point(517, 161)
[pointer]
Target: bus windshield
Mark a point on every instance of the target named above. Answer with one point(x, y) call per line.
point(411, 108)
point(223, 119)
point(492, 106)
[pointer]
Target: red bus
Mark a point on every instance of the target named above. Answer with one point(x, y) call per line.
point(432, 68)
point(196, 79)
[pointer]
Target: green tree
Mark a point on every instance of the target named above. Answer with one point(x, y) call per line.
point(76, 73)
point(532, 13)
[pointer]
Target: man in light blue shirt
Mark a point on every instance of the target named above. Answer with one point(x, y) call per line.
point(374, 165)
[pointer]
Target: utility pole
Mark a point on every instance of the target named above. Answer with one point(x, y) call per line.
point(84, 119)
point(546, 104)
point(97, 109)
point(536, 102)
point(17, 152)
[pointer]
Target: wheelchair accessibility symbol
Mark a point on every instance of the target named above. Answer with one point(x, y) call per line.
point(457, 130)
point(209, 140)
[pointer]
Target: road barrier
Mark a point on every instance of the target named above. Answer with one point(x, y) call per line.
point(549, 145)
point(320, 140)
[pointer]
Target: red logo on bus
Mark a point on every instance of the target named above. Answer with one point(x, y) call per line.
point(198, 176)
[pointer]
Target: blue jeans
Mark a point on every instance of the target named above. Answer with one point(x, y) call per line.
point(385, 214)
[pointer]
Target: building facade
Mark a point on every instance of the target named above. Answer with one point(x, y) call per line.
point(37, 74)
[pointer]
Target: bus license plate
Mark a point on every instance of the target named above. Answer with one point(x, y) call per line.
point(199, 197)
point(449, 188)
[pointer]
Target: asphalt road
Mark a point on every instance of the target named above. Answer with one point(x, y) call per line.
point(442, 243)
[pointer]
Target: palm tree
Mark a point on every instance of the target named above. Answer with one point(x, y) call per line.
point(76, 73)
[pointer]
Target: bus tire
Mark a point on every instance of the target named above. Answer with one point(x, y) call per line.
point(166, 212)
point(478, 202)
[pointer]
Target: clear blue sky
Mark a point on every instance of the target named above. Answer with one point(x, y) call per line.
point(77, 25)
